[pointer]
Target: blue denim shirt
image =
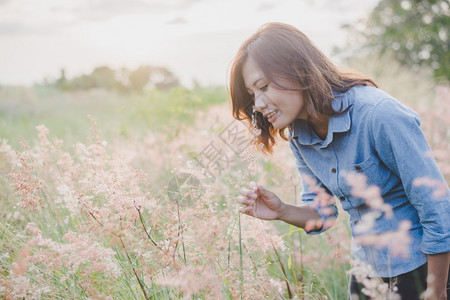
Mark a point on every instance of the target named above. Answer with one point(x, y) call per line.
point(380, 138)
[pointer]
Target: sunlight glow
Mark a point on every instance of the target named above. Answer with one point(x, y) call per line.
point(195, 39)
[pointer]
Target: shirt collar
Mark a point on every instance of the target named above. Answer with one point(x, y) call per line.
point(337, 123)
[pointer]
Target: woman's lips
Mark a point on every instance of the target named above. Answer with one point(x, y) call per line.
point(272, 116)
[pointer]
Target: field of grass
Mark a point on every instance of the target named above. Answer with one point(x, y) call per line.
point(118, 115)
point(110, 198)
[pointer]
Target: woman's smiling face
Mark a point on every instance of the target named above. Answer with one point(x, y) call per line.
point(280, 106)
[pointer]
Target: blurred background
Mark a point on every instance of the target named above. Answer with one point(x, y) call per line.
point(142, 62)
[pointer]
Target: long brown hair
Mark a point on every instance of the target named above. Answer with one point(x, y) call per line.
point(283, 51)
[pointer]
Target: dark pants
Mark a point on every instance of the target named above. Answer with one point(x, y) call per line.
point(409, 285)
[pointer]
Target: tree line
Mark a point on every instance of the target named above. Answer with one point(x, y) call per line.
point(124, 80)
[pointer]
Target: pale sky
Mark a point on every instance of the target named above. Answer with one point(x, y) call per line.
point(196, 39)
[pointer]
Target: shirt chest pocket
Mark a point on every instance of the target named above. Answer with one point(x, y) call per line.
point(373, 172)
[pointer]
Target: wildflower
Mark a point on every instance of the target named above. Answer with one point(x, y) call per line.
point(10, 154)
point(260, 236)
point(26, 183)
point(440, 187)
point(373, 287)
point(191, 279)
point(371, 194)
point(397, 241)
point(43, 132)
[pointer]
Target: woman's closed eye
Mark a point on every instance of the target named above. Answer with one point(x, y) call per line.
point(262, 89)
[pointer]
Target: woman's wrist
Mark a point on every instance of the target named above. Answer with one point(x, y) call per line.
point(282, 212)
point(297, 215)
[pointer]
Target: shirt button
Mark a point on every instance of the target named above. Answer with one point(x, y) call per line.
point(342, 198)
point(333, 170)
point(358, 168)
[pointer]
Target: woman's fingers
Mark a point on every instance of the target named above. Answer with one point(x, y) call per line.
point(248, 193)
point(244, 200)
point(247, 198)
point(244, 210)
point(253, 186)
point(247, 210)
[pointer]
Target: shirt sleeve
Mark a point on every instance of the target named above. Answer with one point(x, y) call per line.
point(403, 148)
point(309, 195)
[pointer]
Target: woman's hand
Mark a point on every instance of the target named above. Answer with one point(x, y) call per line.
point(260, 203)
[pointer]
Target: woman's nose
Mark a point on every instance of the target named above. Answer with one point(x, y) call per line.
point(260, 102)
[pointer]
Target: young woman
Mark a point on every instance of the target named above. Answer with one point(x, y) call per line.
point(338, 124)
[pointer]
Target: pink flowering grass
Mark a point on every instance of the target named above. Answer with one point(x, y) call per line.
point(93, 226)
